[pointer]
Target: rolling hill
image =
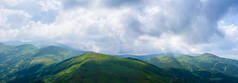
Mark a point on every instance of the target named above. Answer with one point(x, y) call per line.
point(98, 68)
point(196, 64)
point(17, 58)
point(53, 64)
point(101, 68)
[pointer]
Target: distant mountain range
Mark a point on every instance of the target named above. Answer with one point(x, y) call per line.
point(55, 64)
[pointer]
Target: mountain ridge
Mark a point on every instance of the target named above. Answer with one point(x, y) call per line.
point(53, 64)
point(204, 62)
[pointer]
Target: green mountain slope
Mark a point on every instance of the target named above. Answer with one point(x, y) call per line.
point(17, 58)
point(53, 54)
point(53, 64)
point(13, 59)
point(218, 68)
point(100, 68)
point(165, 62)
point(210, 62)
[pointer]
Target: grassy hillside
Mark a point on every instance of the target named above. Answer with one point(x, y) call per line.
point(52, 64)
point(210, 62)
point(100, 68)
point(203, 66)
point(13, 59)
point(17, 58)
point(165, 62)
point(53, 54)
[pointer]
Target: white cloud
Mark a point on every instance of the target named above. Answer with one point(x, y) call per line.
point(183, 26)
point(90, 29)
point(168, 43)
point(47, 5)
point(11, 2)
point(230, 31)
point(13, 18)
point(6, 35)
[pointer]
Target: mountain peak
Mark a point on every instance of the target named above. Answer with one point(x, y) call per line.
point(166, 57)
point(97, 56)
point(26, 46)
point(209, 55)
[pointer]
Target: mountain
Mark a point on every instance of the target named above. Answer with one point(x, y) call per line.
point(17, 58)
point(53, 54)
point(165, 61)
point(99, 68)
point(13, 58)
point(143, 57)
point(53, 64)
point(205, 62)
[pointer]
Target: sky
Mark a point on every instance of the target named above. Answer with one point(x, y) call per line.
point(125, 26)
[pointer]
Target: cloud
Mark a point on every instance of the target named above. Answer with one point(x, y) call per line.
point(124, 26)
point(167, 43)
point(13, 18)
point(8, 35)
point(119, 3)
point(187, 18)
point(68, 4)
point(49, 5)
point(71, 4)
